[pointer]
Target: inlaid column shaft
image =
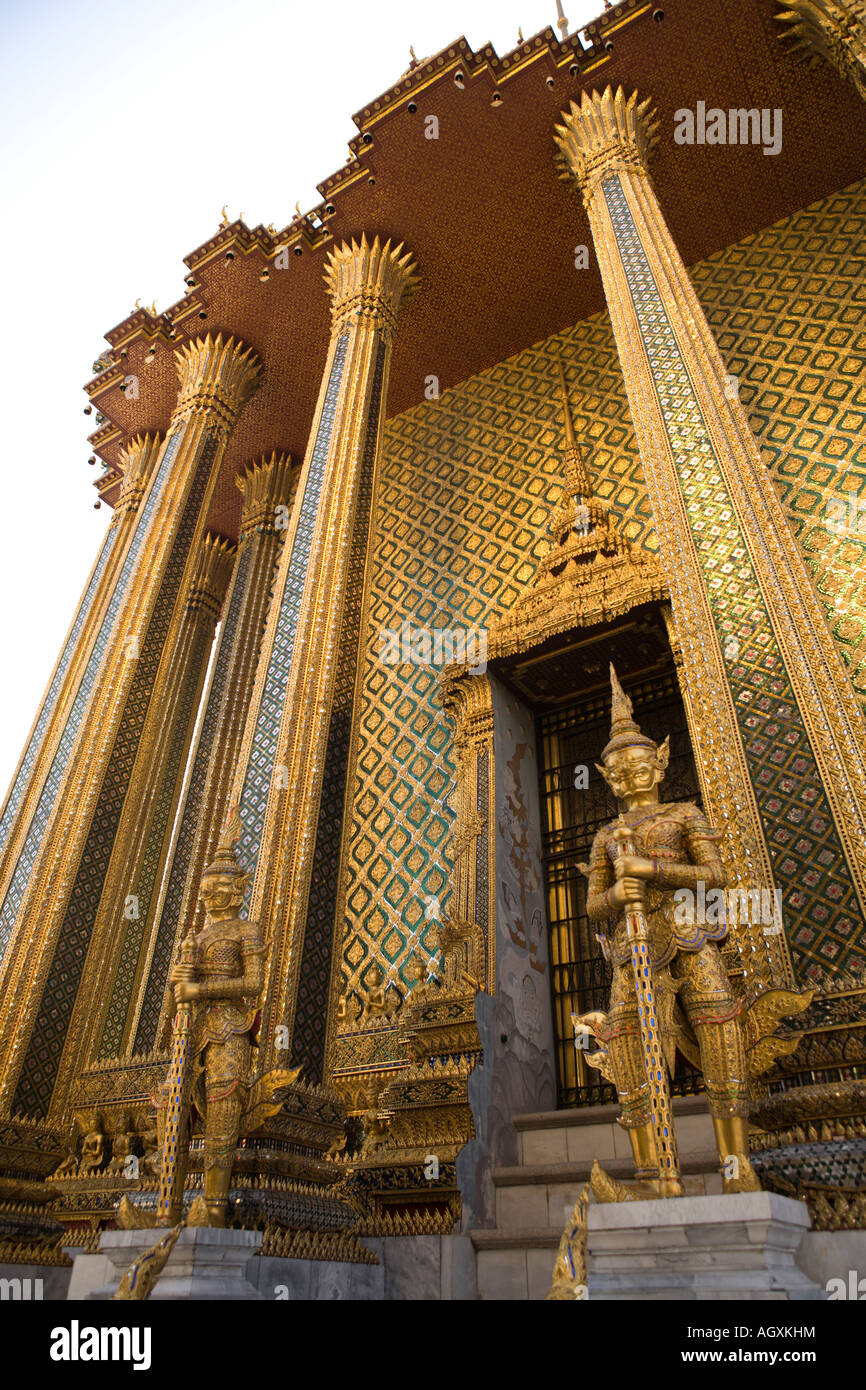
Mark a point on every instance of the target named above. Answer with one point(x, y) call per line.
point(267, 487)
point(38, 774)
point(143, 838)
point(294, 766)
point(112, 749)
point(778, 730)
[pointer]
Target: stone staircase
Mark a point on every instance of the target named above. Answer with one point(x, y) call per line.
point(534, 1199)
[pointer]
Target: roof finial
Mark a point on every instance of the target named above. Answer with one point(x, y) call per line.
point(566, 406)
point(562, 22)
point(576, 475)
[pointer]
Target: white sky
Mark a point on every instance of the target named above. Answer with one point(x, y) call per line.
point(124, 128)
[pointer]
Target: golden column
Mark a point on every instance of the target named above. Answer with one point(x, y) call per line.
point(267, 488)
point(297, 748)
point(37, 776)
point(104, 743)
point(141, 843)
point(777, 728)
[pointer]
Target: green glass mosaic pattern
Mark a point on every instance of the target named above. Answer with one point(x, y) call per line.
point(468, 485)
point(469, 482)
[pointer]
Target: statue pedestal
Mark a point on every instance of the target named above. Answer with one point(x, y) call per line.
point(738, 1247)
point(206, 1262)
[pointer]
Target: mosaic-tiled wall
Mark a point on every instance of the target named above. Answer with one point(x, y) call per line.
point(788, 308)
point(469, 482)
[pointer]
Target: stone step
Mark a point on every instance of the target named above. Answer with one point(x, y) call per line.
point(580, 1135)
point(537, 1195)
point(591, 1114)
point(515, 1265)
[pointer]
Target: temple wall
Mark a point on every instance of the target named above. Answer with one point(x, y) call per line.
point(469, 482)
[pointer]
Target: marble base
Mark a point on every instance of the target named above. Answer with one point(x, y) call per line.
point(411, 1268)
point(206, 1263)
point(740, 1247)
point(426, 1268)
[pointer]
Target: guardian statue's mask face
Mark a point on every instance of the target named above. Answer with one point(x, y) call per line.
point(629, 771)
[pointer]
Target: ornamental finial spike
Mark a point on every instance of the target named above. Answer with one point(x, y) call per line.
point(566, 405)
point(624, 731)
point(231, 829)
point(577, 479)
point(226, 861)
point(621, 709)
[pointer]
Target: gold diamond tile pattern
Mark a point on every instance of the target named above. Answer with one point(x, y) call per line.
point(468, 486)
point(469, 482)
point(788, 309)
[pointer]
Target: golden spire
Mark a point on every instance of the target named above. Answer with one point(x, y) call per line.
point(624, 731)
point(566, 405)
point(230, 832)
point(621, 707)
point(576, 477)
point(589, 573)
point(226, 861)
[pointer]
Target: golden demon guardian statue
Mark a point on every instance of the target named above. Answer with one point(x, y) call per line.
point(670, 987)
point(216, 983)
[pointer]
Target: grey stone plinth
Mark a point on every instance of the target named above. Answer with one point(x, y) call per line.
point(206, 1263)
point(740, 1246)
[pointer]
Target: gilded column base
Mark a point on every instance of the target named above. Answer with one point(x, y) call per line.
point(282, 1175)
point(811, 1110)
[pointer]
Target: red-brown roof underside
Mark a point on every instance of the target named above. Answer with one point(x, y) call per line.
point(492, 226)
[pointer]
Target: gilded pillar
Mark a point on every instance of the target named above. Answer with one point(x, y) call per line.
point(472, 850)
point(43, 761)
point(297, 749)
point(778, 732)
point(267, 487)
point(145, 827)
point(114, 736)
